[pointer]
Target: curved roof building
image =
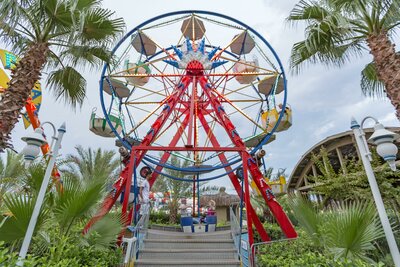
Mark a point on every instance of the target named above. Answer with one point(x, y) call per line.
point(338, 147)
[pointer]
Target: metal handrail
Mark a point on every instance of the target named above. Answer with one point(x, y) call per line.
point(236, 230)
point(135, 243)
point(253, 258)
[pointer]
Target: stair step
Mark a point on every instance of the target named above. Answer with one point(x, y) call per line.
point(193, 254)
point(188, 243)
point(191, 263)
point(157, 234)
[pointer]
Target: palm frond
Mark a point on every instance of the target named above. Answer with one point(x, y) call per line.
point(69, 85)
point(307, 10)
point(97, 25)
point(92, 56)
point(76, 202)
point(20, 210)
point(351, 230)
point(104, 233)
point(307, 217)
point(370, 83)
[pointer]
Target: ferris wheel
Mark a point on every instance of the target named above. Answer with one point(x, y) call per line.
point(199, 85)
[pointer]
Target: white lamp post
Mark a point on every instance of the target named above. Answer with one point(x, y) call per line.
point(34, 141)
point(387, 150)
point(30, 153)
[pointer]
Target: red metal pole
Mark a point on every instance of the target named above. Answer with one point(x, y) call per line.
point(139, 153)
point(256, 174)
point(234, 179)
point(247, 202)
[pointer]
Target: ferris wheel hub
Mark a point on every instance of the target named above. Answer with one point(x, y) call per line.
point(194, 67)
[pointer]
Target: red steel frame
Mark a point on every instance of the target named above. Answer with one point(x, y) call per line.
point(192, 113)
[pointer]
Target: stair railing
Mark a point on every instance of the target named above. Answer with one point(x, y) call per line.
point(135, 243)
point(236, 229)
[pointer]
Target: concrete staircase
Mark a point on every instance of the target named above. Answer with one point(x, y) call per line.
point(162, 248)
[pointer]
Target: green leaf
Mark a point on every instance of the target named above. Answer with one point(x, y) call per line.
point(20, 209)
point(370, 83)
point(68, 84)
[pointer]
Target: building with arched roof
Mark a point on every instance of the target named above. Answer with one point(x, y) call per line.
point(338, 146)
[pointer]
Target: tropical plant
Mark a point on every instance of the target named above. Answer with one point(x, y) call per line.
point(62, 217)
point(297, 253)
point(59, 35)
point(89, 163)
point(339, 29)
point(347, 231)
point(351, 182)
point(11, 170)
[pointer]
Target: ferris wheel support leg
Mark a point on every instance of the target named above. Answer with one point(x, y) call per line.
point(173, 143)
point(266, 192)
point(234, 179)
point(247, 202)
point(270, 199)
point(139, 154)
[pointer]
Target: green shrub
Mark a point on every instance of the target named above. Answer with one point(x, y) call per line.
point(161, 217)
point(299, 252)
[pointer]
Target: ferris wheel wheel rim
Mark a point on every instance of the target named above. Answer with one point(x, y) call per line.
point(174, 13)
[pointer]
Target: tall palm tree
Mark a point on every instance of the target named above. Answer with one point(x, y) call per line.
point(59, 35)
point(89, 163)
point(339, 29)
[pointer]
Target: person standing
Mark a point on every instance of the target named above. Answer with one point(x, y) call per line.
point(144, 193)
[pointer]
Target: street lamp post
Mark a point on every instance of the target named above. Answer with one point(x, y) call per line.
point(30, 153)
point(386, 149)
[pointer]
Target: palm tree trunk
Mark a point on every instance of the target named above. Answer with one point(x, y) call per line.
point(23, 78)
point(387, 66)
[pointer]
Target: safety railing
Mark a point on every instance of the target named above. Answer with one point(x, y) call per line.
point(135, 243)
point(235, 229)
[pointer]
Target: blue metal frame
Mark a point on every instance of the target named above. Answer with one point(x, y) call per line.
point(266, 138)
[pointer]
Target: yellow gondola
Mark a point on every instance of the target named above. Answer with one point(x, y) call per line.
point(269, 119)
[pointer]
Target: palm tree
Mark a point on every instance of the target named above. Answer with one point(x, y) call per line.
point(59, 35)
point(339, 29)
point(346, 230)
point(89, 163)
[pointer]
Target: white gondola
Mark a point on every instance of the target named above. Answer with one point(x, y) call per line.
point(100, 127)
point(139, 68)
point(120, 89)
point(243, 66)
point(255, 140)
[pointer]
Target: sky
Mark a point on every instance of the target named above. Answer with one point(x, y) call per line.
point(323, 100)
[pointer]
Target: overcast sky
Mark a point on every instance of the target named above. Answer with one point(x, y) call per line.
point(323, 100)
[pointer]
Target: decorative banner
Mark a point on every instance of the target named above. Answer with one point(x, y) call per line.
point(3, 81)
point(8, 60)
